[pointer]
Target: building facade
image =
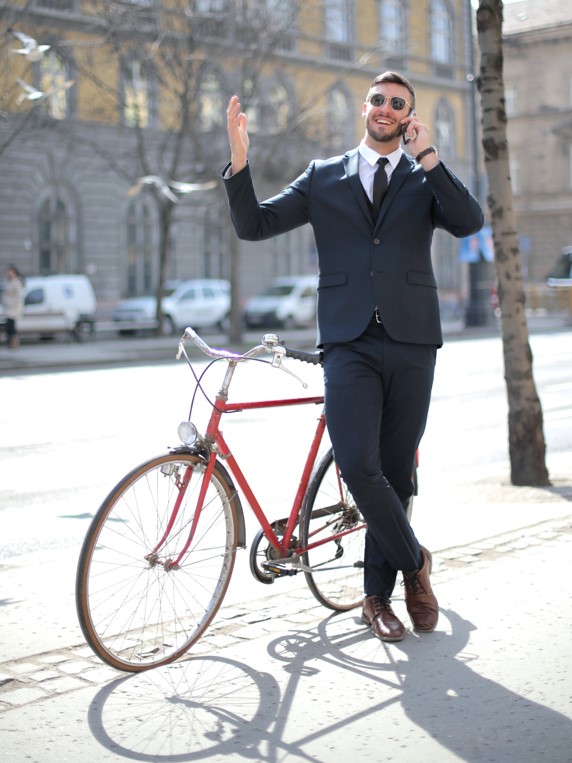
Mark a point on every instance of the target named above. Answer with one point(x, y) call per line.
point(137, 89)
point(538, 94)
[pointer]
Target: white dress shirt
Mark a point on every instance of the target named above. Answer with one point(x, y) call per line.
point(368, 165)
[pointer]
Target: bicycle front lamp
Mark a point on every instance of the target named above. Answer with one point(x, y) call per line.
point(188, 433)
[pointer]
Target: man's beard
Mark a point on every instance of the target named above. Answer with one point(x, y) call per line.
point(382, 137)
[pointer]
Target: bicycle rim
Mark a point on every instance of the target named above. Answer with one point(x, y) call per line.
point(337, 567)
point(136, 611)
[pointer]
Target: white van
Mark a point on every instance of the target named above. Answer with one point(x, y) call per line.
point(58, 304)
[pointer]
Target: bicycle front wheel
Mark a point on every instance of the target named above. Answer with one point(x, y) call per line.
point(337, 565)
point(137, 606)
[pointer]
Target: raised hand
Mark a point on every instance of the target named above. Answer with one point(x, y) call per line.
point(237, 135)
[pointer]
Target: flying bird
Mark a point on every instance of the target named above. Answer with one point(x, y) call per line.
point(30, 47)
point(33, 94)
point(167, 189)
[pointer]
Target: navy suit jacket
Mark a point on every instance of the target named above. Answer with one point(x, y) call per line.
point(362, 264)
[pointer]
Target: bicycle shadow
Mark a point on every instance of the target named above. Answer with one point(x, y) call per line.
point(210, 707)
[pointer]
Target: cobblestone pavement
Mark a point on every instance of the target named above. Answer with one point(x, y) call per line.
point(40, 677)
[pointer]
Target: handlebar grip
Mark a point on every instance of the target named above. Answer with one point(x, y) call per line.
point(315, 358)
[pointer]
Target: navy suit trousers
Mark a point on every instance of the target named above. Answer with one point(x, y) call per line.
point(377, 395)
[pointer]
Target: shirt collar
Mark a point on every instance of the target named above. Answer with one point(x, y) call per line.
point(372, 156)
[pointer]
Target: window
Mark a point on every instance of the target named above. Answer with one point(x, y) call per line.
point(136, 100)
point(267, 105)
point(139, 249)
point(277, 108)
point(441, 32)
point(445, 130)
point(339, 121)
point(210, 102)
point(54, 80)
point(55, 251)
point(56, 5)
point(337, 28)
point(514, 170)
point(252, 104)
point(214, 228)
point(211, 17)
point(209, 6)
point(393, 26)
point(510, 100)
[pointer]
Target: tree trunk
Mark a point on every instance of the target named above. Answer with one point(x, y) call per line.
point(527, 448)
point(165, 218)
point(235, 327)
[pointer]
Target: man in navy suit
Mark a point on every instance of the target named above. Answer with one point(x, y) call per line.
point(378, 315)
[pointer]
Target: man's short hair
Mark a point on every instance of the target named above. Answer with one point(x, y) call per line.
point(397, 79)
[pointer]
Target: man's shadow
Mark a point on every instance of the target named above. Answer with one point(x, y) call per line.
point(478, 719)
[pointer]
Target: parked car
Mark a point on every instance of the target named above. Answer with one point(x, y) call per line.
point(199, 303)
point(57, 304)
point(289, 302)
point(561, 273)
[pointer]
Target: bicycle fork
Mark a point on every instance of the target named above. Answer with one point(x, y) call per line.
point(182, 484)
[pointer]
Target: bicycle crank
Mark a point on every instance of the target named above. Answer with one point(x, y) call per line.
point(266, 562)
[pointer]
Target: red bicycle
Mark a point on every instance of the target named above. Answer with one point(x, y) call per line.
point(159, 554)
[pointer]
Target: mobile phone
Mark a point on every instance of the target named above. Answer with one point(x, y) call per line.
point(406, 137)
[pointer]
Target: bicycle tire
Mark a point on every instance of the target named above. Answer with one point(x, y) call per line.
point(337, 567)
point(135, 611)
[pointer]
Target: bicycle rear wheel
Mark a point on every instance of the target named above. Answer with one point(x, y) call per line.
point(136, 609)
point(337, 566)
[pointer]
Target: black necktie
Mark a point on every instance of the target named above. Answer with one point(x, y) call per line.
point(380, 183)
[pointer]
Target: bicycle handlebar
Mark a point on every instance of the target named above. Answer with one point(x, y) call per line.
point(315, 358)
point(270, 343)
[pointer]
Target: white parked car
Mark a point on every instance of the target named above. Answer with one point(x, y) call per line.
point(289, 302)
point(199, 303)
point(561, 274)
point(58, 304)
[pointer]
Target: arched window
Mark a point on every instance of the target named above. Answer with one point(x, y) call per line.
point(252, 104)
point(56, 253)
point(445, 130)
point(268, 105)
point(139, 276)
point(277, 107)
point(393, 26)
point(54, 79)
point(339, 120)
point(136, 95)
point(442, 42)
point(210, 102)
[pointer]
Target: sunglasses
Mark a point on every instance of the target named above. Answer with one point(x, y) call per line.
point(396, 103)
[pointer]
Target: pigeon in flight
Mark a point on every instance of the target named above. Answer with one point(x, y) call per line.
point(33, 94)
point(167, 189)
point(30, 47)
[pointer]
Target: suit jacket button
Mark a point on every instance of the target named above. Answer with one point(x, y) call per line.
point(376, 241)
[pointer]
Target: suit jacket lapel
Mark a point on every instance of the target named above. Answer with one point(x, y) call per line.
point(351, 164)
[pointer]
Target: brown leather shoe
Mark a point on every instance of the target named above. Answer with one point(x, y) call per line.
point(419, 597)
point(384, 622)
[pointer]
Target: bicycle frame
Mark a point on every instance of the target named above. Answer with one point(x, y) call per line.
point(225, 453)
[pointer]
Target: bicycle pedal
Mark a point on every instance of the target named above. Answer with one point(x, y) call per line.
point(279, 570)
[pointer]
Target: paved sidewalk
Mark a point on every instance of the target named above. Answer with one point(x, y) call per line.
point(109, 349)
point(282, 679)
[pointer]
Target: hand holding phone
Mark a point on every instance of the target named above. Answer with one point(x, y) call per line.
point(404, 129)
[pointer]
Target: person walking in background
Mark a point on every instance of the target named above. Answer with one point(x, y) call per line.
point(13, 304)
point(373, 212)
